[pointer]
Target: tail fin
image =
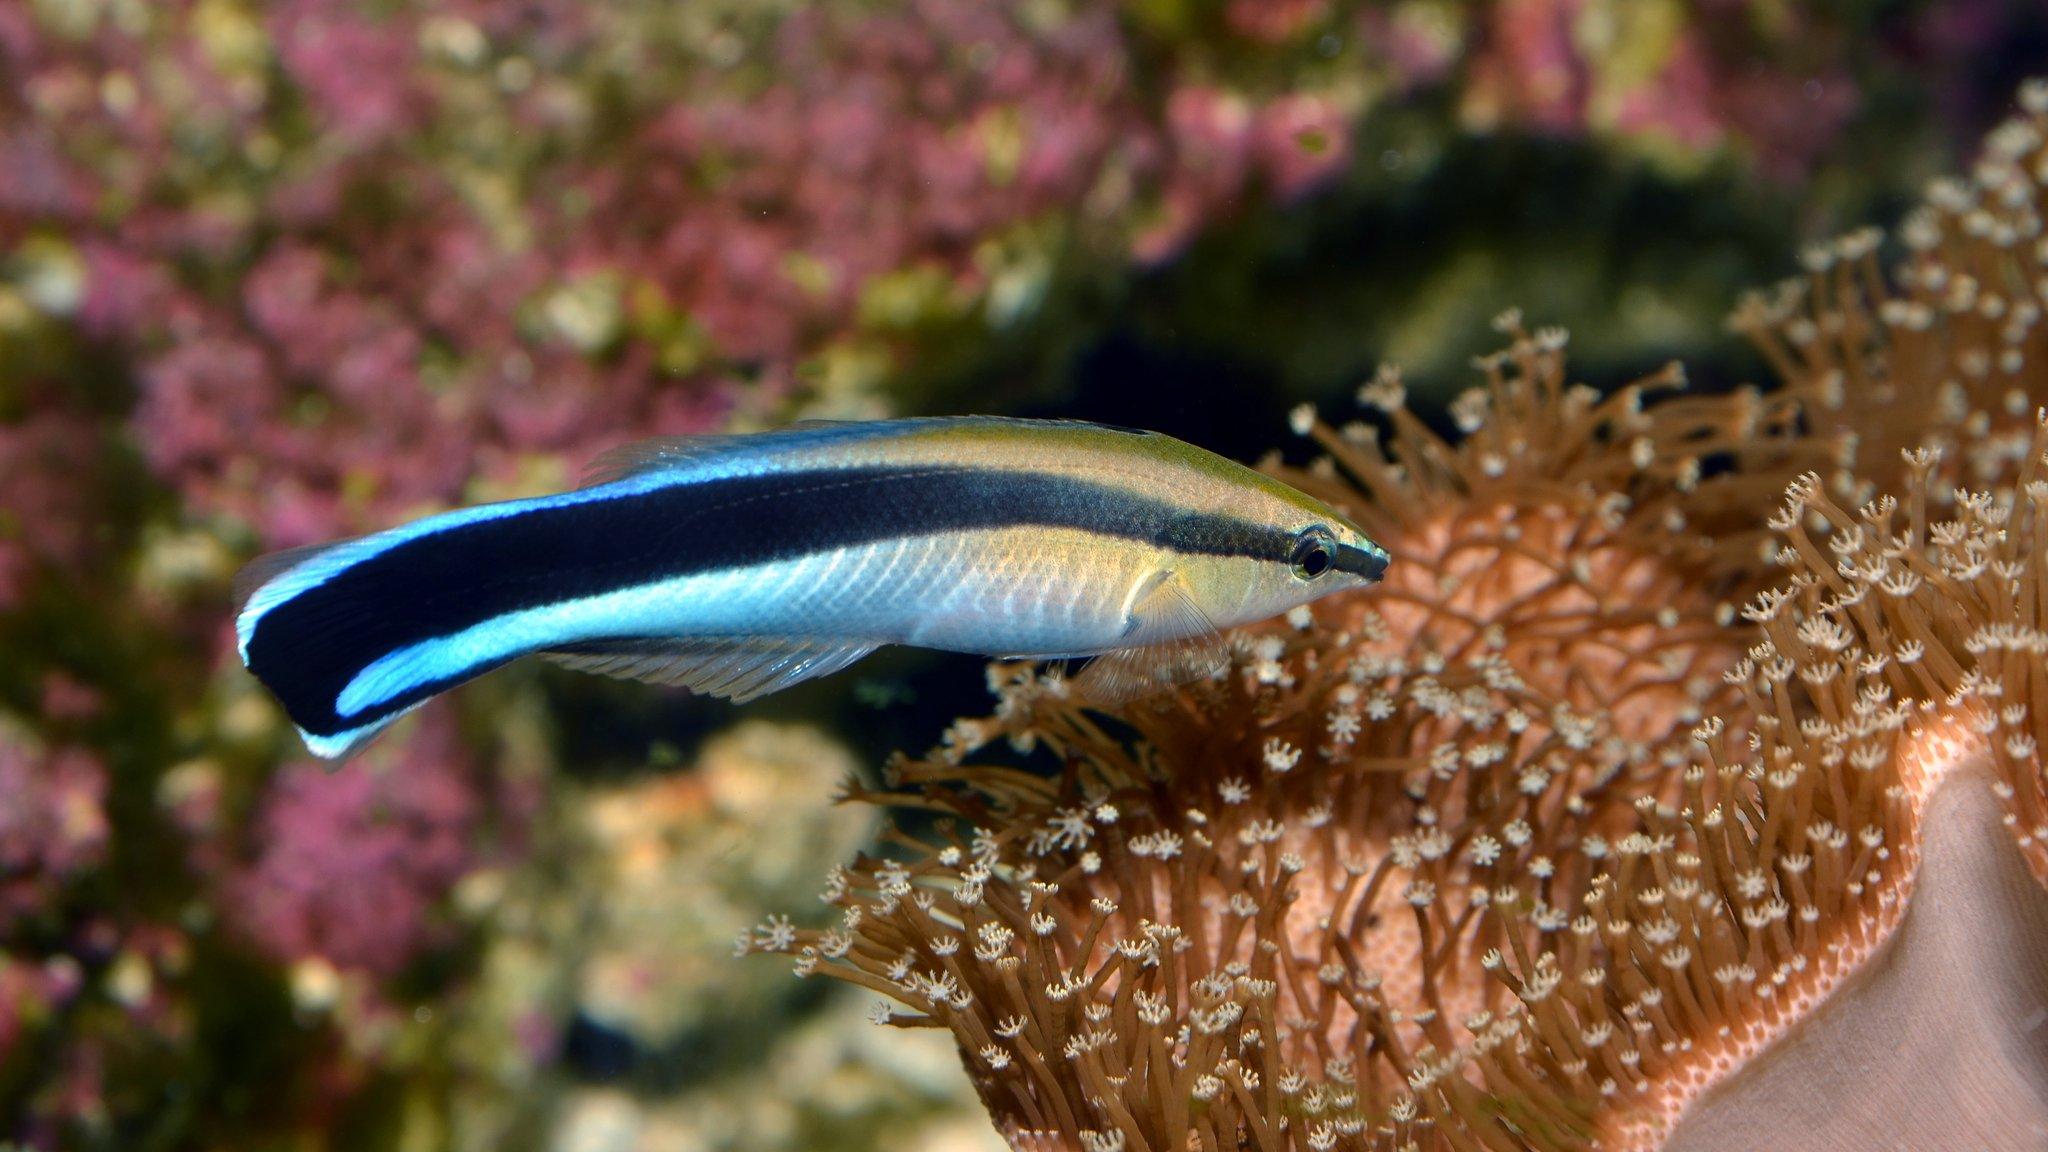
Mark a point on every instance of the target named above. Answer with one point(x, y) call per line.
point(262, 571)
point(352, 635)
point(281, 651)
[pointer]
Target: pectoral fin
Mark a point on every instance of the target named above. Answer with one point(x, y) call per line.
point(738, 669)
point(1170, 641)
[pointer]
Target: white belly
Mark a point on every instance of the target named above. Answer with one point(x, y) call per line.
point(1012, 592)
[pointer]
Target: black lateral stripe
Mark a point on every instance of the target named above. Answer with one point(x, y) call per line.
point(307, 649)
point(1360, 562)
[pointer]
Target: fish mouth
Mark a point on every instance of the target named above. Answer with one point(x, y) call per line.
point(1368, 563)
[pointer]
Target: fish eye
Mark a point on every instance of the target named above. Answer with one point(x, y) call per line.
point(1314, 553)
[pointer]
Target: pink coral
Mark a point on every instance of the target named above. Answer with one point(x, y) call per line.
point(1529, 71)
point(1304, 140)
point(1679, 101)
point(954, 119)
point(365, 258)
point(337, 328)
point(356, 72)
point(351, 864)
point(1274, 21)
point(53, 822)
point(1776, 89)
point(43, 521)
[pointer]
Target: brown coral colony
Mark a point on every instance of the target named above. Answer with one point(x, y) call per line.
point(1687, 732)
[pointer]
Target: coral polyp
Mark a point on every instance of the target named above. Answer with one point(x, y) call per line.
point(1330, 895)
point(1629, 773)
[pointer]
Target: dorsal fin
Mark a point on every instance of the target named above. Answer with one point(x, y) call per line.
point(665, 452)
point(657, 455)
point(738, 669)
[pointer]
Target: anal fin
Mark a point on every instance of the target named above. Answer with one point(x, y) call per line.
point(735, 668)
point(1170, 641)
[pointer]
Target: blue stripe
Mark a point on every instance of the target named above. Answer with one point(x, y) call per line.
point(737, 456)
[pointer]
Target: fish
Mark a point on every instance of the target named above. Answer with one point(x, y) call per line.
point(737, 565)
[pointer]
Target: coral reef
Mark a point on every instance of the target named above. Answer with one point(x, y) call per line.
point(358, 260)
point(275, 272)
point(837, 1084)
point(365, 261)
point(402, 832)
point(1617, 789)
point(670, 867)
point(659, 970)
point(54, 826)
point(1941, 358)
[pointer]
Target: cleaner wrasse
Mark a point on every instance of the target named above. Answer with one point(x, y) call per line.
point(739, 565)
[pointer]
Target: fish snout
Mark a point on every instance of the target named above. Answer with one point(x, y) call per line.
point(1367, 563)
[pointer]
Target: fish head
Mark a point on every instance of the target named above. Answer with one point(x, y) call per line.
point(1294, 550)
point(1325, 553)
